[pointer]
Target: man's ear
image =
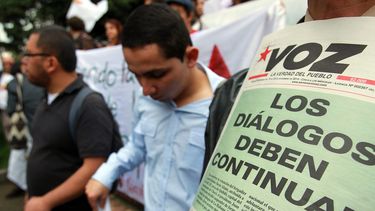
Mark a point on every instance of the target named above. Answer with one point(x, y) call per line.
point(51, 64)
point(192, 54)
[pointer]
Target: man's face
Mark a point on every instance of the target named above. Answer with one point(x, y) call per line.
point(162, 79)
point(7, 64)
point(33, 61)
point(111, 31)
point(199, 7)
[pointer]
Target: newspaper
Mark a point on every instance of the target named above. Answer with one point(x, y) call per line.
point(301, 133)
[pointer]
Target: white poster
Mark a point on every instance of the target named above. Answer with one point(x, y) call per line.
point(230, 47)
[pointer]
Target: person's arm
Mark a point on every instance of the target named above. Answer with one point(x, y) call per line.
point(96, 192)
point(127, 158)
point(73, 187)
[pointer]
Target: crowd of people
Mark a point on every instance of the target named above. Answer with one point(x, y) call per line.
point(177, 120)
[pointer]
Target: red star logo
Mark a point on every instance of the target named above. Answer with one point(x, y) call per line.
point(263, 56)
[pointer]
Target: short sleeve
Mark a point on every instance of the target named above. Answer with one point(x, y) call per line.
point(94, 130)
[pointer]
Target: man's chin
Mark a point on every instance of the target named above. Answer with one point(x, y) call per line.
point(159, 98)
point(37, 83)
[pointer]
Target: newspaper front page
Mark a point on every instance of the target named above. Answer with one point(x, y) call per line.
point(301, 135)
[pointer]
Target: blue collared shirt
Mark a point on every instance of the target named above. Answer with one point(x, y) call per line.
point(170, 140)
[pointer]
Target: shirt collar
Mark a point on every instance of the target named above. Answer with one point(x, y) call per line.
point(75, 85)
point(213, 78)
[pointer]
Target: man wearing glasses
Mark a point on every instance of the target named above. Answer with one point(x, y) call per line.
point(60, 165)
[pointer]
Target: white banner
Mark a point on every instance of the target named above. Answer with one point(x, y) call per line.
point(105, 70)
point(231, 47)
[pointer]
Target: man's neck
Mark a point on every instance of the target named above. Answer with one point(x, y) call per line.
point(326, 9)
point(60, 81)
point(198, 88)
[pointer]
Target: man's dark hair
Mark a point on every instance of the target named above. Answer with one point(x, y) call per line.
point(157, 24)
point(76, 23)
point(55, 40)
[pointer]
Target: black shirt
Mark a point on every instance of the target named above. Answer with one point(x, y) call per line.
point(55, 155)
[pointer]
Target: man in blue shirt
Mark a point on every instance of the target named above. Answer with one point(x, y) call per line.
point(171, 116)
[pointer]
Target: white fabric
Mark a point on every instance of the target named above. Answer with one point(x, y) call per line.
point(51, 97)
point(88, 11)
point(17, 167)
point(238, 40)
point(5, 79)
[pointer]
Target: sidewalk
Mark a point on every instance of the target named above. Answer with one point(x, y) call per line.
point(16, 204)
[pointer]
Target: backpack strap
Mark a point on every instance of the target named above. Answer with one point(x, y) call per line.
point(75, 108)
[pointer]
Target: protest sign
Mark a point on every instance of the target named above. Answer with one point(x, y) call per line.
point(300, 135)
point(230, 47)
point(105, 70)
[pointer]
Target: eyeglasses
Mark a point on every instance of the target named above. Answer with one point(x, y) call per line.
point(27, 54)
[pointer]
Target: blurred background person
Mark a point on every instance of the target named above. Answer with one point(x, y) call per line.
point(152, 1)
point(185, 9)
point(7, 61)
point(113, 32)
point(82, 40)
point(198, 12)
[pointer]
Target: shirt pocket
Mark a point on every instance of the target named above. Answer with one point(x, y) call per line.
point(194, 153)
point(147, 131)
point(190, 169)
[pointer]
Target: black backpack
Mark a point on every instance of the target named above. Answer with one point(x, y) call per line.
point(75, 111)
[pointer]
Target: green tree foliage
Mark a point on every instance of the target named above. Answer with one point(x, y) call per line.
point(21, 17)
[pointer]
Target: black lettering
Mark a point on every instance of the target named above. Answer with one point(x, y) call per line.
point(248, 170)
point(347, 142)
point(274, 59)
point(214, 161)
point(308, 160)
point(314, 138)
point(275, 100)
point(287, 155)
point(221, 164)
point(343, 51)
point(235, 167)
point(270, 178)
point(318, 104)
point(366, 149)
point(293, 129)
point(266, 125)
point(314, 50)
point(245, 144)
point(299, 106)
point(240, 119)
point(303, 199)
point(316, 206)
point(271, 151)
point(256, 122)
point(256, 144)
point(258, 176)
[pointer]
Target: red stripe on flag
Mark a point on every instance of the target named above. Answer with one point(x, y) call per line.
point(356, 80)
point(258, 76)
